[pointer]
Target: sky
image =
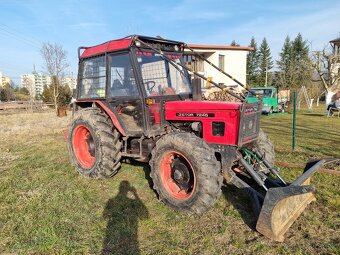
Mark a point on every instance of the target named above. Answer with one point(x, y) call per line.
point(26, 24)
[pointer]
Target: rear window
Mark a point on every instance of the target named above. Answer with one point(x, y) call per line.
point(92, 78)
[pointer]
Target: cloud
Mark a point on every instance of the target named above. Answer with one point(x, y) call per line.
point(318, 27)
point(187, 10)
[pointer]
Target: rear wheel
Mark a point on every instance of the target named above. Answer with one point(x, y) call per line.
point(94, 144)
point(185, 173)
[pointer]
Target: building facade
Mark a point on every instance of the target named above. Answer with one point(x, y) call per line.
point(335, 68)
point(231, 59)
point(70, 81)
point(4, 80)
point(35, 83)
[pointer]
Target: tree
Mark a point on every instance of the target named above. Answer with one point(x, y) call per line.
point(294, 64)
point(2, 94)
point(326, 65)
point(284, 64)
point(234, 43)
point(55, 61)
point(28, 84)
point(265, 63)
point(22, 94)
point(24, 91)
point(64, 98)
point(7, 92)
point(301, 62)
point(252, 64)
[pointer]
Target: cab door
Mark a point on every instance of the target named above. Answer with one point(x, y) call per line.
point(123, 94)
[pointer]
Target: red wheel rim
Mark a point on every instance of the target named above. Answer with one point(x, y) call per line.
point(168, 170)
point(82, 140)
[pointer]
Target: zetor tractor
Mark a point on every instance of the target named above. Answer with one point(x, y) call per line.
point(135, 99)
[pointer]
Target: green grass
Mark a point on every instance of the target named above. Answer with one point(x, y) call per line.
point(48, 208)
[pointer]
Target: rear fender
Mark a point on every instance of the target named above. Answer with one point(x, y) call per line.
point(108, 111)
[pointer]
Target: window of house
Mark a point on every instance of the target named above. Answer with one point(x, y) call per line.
point(221, 62)
point(194, 63)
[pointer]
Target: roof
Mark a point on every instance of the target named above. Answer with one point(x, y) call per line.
point(219, 47)
point(121, 44)
point(127, 42)
point(335, 40)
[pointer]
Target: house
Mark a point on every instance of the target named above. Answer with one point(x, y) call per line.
point(335, 68)
point(231, 59)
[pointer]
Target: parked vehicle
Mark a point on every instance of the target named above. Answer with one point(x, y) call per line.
point(135, 100)
point(272, 99)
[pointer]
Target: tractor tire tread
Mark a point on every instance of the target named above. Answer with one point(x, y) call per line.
point(109, 143)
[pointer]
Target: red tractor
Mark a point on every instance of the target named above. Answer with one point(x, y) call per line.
point(135, 99)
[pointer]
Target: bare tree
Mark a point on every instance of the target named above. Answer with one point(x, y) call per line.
point(327, 66)
point(28, 83)
point(55, 63)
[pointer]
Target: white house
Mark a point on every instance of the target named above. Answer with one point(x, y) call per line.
point(231, 59)
point(4, 80)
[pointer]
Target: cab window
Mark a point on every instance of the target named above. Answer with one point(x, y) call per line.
point(93, 78)
point(123, 82)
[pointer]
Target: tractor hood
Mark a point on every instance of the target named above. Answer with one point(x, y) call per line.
point(200, 106)
point(221, 121)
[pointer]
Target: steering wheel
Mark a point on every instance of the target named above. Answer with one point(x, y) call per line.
point(150, 85)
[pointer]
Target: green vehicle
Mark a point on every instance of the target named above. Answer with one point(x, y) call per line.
point(272, 99)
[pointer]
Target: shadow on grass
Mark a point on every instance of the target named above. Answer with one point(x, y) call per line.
point(242, 203)
point(123, 213)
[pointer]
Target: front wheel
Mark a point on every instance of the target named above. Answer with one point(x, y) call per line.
point(186, 173)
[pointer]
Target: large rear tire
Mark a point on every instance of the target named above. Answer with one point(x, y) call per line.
point(94, 144)
point(186, 173)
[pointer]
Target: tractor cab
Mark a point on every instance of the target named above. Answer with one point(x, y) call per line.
point(133, 81)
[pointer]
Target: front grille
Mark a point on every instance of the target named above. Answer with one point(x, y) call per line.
point(249, 122)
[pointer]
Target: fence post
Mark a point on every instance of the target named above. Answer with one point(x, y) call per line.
point(294, 121)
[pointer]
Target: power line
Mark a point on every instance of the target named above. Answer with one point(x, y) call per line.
point(20, 34)
point(5, 32)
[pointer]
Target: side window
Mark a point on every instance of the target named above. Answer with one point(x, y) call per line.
point(123, 81)
point(93, 78)
point(274, 94)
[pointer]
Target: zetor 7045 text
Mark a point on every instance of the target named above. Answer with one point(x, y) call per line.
point(136, 98)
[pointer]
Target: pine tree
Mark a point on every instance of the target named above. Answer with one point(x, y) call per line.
point(265, 63)
point(285, 64)
point(300, 62)
point(234, 43)
point(300, 48)
point(252, 64)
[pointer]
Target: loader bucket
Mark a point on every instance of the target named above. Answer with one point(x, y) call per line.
point(283, 205)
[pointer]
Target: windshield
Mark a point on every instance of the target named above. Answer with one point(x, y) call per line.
point(161, 77)
point(260, 92)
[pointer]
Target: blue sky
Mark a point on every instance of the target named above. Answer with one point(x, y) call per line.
point(25, 24)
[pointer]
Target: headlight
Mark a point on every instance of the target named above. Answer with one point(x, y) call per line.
point(218, 128)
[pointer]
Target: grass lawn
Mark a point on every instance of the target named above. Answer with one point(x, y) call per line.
point(48, 208)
